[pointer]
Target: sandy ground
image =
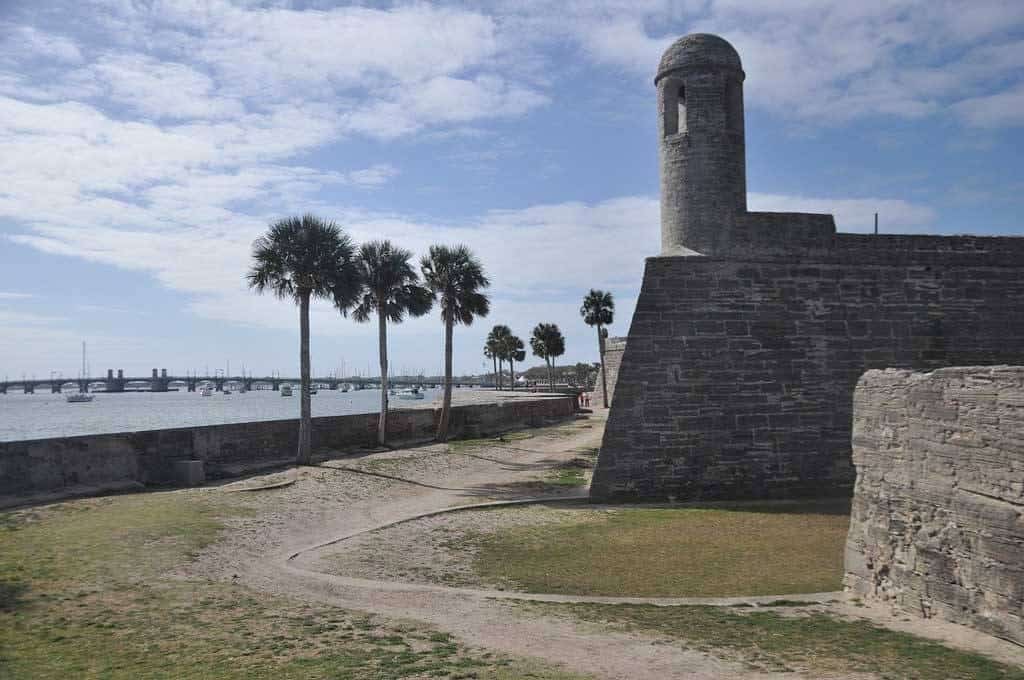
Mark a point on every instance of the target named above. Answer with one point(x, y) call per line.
point(290, 534)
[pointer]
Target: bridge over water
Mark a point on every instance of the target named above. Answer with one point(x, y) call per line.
point(160, 381)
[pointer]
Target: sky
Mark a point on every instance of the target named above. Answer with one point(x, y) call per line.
point(145, 145)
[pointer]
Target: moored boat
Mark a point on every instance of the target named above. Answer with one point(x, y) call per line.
point(81, 397)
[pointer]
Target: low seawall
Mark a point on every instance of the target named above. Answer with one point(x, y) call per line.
point(73, 465)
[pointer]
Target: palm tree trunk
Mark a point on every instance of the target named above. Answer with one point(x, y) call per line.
point(501, 375)
point(511, 374)
point(495, 361)
point(604, 376)
point(446, 402)
point(551, 374)
point(382, 338)
point(305, 453)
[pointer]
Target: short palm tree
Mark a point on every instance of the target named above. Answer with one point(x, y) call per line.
point(456, 278)
point(547, 343)
point(500, 335)
point(514, 351)
point(490, 351)
point(300, 258)
point(599, 310)
point(391, 290)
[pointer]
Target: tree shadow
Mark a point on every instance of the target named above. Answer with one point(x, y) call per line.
point(12, 595)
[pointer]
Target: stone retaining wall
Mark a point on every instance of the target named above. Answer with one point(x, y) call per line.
point(937, 528)
point(71, 464)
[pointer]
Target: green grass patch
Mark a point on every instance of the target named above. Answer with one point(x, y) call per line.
point(86, 592)
point(805, 640)
point(572, 473)
point(680, 552)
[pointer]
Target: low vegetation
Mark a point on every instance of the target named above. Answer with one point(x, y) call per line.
point(675, 552)
point(87, 590)
point(807, 640)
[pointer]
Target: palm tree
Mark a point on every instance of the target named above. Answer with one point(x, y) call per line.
point(302, 258)
point(514, 351)
point(496, 346)
point(455, 277)
point(547, 342)
point(599, 310)
point(391, 289)
point(490, 351)
point(500, 335)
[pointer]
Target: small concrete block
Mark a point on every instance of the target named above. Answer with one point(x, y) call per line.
point(189, 472)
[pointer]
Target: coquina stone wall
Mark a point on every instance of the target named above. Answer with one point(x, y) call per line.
point(109, 461)
point(737, 379)
point(937, 528)
point(613, 349)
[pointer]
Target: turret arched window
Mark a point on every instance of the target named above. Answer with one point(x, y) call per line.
point(681, 108)
point(674, 113)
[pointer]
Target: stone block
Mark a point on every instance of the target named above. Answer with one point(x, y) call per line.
point(189, 472)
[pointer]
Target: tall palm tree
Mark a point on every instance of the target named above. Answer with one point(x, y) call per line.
point(599, 310)
point(514, 351)
point(547, 343)
point(455, 277)
point(303, 258)
point(391, 289)
point(500, 335)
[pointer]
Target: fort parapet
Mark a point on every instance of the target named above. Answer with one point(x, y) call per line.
point(752, 329)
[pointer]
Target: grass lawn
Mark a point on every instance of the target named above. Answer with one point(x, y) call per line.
point(85, 593)
point(808, 641)
point(744, 550)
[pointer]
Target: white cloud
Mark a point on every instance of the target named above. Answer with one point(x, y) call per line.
point(814, 61)
point(162, 89)
point(1002, 109)
point(32, 42)
point(7, 295)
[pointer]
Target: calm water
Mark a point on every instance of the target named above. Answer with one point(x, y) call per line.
point(38, 416)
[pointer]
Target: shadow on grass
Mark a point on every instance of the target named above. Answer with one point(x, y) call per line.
point(11, 595)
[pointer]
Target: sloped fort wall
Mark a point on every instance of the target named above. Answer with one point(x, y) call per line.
point(737, 379)
point(936, 527)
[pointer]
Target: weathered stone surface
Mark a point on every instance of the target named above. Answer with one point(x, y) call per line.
point(937, 527)
point(737, 379)
point(613, 349)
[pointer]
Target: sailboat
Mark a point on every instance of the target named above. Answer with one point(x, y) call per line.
point(81, 396)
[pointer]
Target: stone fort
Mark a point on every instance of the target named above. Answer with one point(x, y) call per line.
point(752, 329)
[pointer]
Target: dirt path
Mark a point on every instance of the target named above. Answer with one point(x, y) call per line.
point(277, 547)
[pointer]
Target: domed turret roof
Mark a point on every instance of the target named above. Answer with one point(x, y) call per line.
point(699, 52)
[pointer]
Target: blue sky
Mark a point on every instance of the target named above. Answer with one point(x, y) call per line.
point(144, 145)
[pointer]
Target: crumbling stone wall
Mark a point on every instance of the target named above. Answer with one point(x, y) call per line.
point(737, 379)
point(613, 349)
point(937, 528)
